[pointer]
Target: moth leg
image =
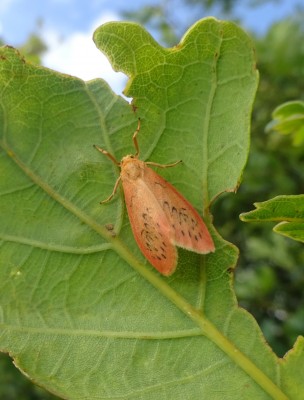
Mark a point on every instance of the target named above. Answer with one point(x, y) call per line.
point(135, 139)
point(113, 193)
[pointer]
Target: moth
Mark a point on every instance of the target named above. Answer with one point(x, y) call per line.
point(160, 217)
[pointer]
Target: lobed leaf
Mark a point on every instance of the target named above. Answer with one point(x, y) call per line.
point(81, 312)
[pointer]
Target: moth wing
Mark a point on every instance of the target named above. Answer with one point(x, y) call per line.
point(151, 229)
point(190, 231)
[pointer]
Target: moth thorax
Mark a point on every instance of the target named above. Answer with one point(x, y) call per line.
point(131, 168)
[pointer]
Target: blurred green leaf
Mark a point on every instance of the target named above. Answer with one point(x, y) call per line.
point(254, 283)
point(295, 323)
point(288, 118)
point(33, 49)
point(294, 230)
point(287, 209)
point(15, 386)
point(282, 49)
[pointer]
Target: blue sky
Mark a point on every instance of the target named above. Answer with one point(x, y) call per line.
point(68, 26)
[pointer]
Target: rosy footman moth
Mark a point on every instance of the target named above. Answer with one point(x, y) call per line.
point(160, 217)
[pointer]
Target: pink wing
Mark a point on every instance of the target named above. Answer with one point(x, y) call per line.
point(151, 229)
point(190, 231)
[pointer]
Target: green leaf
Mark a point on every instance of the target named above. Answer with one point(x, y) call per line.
point(289, 210)
point(288, 118)
point(81, 311)
point(200, 92)
point(292, 370)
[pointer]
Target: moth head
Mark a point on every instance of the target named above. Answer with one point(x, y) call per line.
point(131, 167)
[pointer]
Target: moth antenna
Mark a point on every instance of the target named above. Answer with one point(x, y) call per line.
point(106, 153)
point(164, 165)
point(135, 139)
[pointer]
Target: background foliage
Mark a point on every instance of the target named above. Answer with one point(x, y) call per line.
point(269, 279)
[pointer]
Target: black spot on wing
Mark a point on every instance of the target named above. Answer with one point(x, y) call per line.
point(152, 237)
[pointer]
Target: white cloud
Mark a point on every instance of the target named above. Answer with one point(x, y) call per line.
point(77, 55)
